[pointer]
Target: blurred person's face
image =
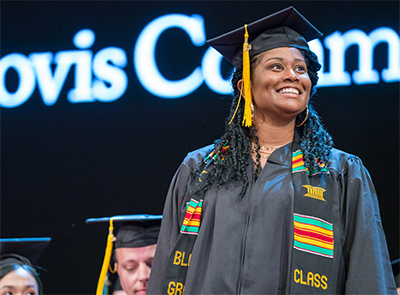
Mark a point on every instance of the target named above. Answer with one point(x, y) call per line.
point(133, 267)
point(19, 282)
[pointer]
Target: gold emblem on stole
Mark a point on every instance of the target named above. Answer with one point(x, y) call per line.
point(315, 192)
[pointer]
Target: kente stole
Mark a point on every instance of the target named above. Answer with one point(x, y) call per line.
point(314, 246)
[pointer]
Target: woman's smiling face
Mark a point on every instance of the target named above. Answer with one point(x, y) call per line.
point(280, 84)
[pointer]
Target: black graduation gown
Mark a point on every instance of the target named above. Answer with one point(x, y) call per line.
point(244, 245)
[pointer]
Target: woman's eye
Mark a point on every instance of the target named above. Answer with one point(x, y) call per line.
point(300, 69)
point(277, 67)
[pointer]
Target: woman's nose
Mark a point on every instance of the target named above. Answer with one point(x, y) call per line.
point(290, 75)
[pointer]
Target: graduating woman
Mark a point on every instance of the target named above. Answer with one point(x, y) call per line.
point(271, 207)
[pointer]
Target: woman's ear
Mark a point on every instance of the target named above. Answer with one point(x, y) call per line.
point(240, 86)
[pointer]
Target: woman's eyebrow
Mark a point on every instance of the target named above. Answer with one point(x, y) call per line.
point(299, 59)
point(281, 59)
point(278, 58)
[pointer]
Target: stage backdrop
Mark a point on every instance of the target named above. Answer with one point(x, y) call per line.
point(101, 101)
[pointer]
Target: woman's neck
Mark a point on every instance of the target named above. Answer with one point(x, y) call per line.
point(273, 134)
point(270, 138)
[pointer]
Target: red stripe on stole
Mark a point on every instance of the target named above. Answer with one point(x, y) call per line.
point(313, 235)
point(196, 216)
point(298, 160)
point(188, 216)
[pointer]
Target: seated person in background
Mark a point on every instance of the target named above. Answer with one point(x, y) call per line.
point(17, 274)
point(135, 246)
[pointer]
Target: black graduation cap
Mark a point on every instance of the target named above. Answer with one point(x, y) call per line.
point(138, 230)
point(30, 248)
point(285, 28)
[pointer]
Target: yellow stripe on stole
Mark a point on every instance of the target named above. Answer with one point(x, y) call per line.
point(313, 228)
point(194, 223)
point(295, 158)
point(314, 242)
point(193, 211)
point(299, 163)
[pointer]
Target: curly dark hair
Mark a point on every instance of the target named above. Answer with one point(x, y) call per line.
point(316, 142)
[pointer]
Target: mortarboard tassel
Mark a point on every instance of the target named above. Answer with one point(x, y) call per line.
point(247, 120)
point(106, 261)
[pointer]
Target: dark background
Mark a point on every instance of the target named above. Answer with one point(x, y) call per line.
point(63, 164)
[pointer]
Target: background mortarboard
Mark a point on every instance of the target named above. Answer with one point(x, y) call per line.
point(138, 230)
point(30, 248)
point(279, 29)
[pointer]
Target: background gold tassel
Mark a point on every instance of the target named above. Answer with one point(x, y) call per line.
point(106, 261)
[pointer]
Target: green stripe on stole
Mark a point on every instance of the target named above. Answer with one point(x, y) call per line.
point(313, 222)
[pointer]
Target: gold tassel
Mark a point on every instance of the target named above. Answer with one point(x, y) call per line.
point(106, 261)
point(247, 120)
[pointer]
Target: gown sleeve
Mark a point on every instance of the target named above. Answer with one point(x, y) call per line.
point(365, 250)
point(170, 227)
